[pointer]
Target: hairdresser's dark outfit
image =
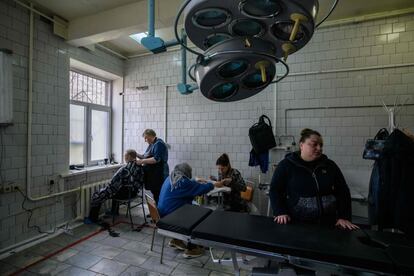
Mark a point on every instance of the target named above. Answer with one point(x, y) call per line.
point(310, 192)
point(155, 174)
point(130, 174)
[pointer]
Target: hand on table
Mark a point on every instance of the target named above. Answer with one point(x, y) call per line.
point(218, 184)
point(226, 181)
point(346, 224)
point(282, 219)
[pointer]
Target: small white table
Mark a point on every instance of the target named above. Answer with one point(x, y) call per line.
point(218, 192)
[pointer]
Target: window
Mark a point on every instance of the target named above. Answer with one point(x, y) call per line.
point(90, 118)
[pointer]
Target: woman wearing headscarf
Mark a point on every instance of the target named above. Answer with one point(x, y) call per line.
point(179, 189)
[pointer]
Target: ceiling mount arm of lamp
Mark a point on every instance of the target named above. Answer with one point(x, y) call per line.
point(177, 18)
point(329, 13)
point(152, 43)
point(184, 88)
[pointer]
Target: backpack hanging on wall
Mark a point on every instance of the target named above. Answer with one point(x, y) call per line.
point(261, 135)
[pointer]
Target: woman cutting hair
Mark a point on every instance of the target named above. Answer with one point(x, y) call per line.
point(307, 187)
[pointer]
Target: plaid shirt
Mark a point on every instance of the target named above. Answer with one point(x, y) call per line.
point(129, 174)
point(233, 199)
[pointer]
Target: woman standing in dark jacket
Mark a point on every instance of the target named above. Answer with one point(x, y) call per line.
point(307, 187)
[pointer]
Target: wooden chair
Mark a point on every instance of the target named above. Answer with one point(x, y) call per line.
point(248, 194)
point(155, 216)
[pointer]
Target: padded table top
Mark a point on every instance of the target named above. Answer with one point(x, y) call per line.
point(306, 241)
point(184, 219)
point(398, 247)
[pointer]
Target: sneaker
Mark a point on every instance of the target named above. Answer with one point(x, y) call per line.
point(193, 253)
point(178, 244)
point(87, 220)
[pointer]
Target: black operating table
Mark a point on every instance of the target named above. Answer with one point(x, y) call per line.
point(309, 246)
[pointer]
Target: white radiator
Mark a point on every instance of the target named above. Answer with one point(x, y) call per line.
point(85, 197)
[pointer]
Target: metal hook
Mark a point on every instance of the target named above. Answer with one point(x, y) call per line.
point(383, 104)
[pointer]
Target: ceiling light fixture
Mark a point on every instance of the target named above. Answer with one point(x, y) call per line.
point(243, 42)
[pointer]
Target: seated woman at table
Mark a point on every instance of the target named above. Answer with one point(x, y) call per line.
point(307, 187)
point(177, 190)
point(230, 177)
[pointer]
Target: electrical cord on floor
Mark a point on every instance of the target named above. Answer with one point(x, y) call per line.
point(30, 211)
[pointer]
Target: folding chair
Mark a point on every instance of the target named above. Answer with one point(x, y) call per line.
point(131, 203)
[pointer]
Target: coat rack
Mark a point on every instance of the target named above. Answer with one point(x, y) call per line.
point(392, 112)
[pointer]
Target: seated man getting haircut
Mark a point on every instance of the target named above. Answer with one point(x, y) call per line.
point(179, 189)
point(119, 186)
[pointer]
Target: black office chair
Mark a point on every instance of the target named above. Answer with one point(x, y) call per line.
point(133, 200)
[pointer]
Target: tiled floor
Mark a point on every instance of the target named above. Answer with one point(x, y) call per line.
point(128, 254)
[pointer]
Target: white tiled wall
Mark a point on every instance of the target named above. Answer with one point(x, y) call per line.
point(199, 130)
point(50, 121)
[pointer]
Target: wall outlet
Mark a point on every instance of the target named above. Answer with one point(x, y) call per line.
point(52, 180)
point(8, 187)
point(15, 187)
point(54, 183)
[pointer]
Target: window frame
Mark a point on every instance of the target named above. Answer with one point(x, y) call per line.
point(89, 107)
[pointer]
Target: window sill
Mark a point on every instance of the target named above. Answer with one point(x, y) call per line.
point(71, 173)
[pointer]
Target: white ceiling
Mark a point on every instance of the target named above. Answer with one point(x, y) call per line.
point(110, 22)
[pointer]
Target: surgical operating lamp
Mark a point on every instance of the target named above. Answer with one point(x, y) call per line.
point(241, 43)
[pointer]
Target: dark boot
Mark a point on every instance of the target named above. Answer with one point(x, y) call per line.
point(94, 213)
point(115, 208)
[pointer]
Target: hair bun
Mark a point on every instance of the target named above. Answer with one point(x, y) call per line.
point(223, 160)
point(306, 131)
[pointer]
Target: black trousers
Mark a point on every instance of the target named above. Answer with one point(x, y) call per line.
point(154, 178)
point(123, 193)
